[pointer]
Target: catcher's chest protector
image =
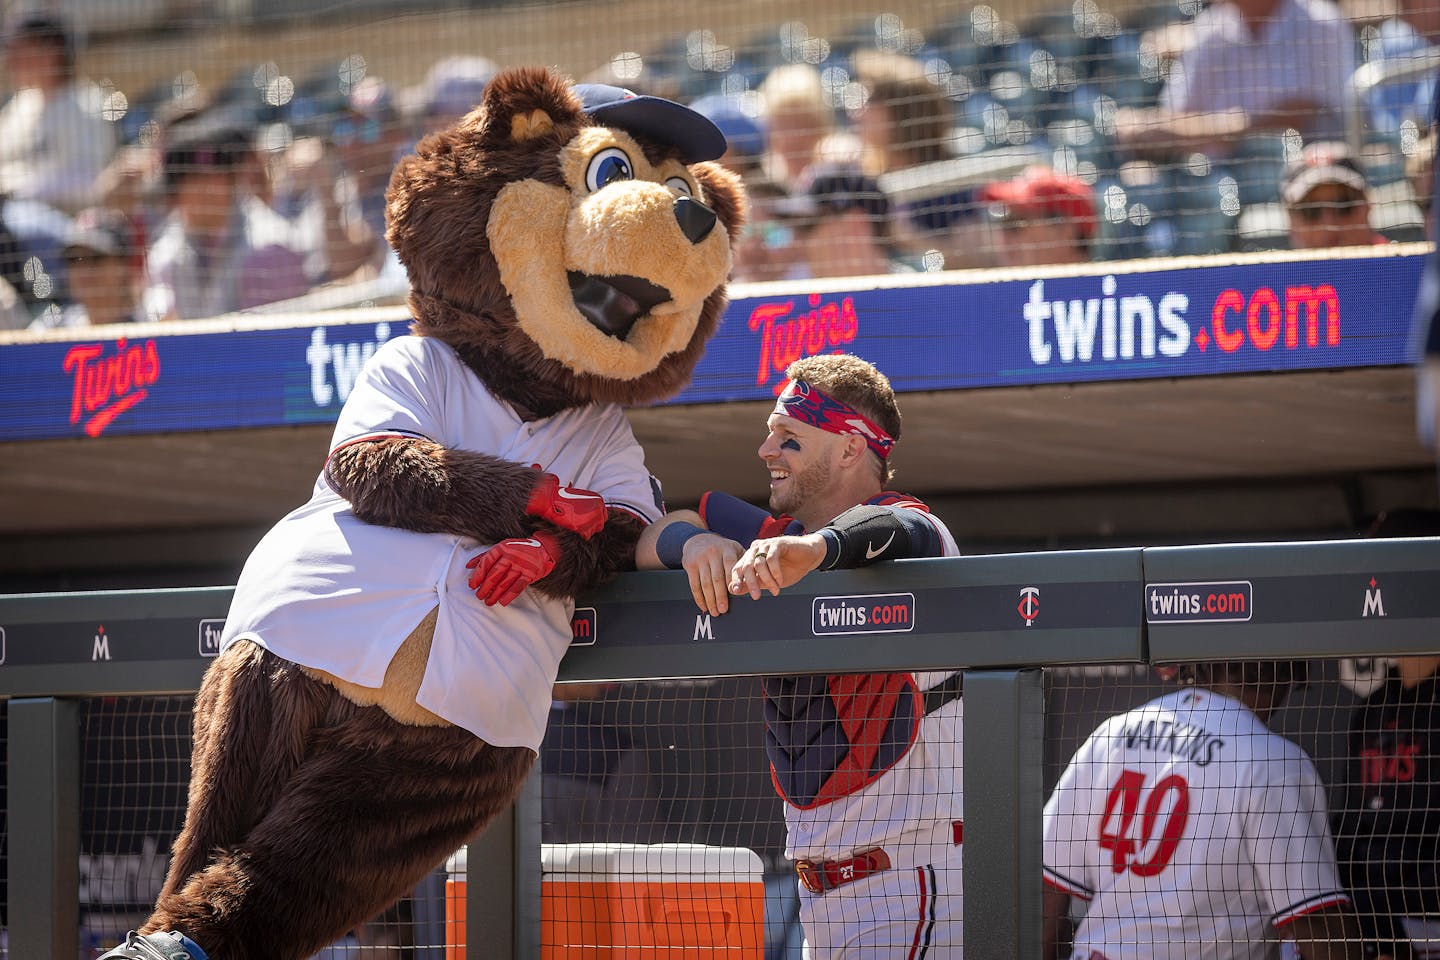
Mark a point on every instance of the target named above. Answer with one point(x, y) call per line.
point(831, 736)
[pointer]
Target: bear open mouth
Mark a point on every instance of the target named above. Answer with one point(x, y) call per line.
point(613, 304)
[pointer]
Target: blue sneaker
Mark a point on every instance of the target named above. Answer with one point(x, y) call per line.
point(169, 945)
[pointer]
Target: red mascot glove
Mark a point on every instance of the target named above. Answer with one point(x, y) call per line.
point(570, 507)
point(504, 571)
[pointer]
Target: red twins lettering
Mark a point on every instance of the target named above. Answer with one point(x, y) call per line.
point(783, 341)
point(1395, 765)
point(106, 387)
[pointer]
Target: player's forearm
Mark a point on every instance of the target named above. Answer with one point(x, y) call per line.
point(1055, 932)
point(1332, 934)
point(646, 557)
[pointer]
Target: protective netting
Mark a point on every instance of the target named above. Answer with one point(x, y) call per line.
point(181, 160)
point(1174, 817)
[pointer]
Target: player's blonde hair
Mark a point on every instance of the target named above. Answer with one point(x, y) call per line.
point(856, 382)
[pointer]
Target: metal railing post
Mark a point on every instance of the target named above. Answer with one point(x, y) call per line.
point(43, 797)
point(1004, 799)
point(502, 881)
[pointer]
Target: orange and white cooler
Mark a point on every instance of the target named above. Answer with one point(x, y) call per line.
point(619, 901)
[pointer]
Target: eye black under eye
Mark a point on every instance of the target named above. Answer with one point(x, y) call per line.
point(790, 444)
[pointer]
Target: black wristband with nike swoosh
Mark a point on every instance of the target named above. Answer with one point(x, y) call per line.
point(868, 534)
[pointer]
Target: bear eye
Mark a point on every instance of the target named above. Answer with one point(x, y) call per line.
point(607, 167)
point(678, 183)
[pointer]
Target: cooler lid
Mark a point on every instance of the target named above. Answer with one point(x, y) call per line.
point(654, 863)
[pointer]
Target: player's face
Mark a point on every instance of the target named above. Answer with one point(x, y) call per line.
point(798, 458)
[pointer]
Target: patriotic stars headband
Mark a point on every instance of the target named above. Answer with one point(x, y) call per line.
point(809, 405)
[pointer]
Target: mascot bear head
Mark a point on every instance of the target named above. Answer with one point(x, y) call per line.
point(569, 242)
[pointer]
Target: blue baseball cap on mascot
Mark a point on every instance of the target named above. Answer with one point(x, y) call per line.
point(655, 118)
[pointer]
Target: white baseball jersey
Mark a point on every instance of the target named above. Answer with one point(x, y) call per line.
point(924, 786)
point(1192, 831)
point(327, 590)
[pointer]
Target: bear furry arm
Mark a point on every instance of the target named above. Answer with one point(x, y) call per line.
point(422, 486)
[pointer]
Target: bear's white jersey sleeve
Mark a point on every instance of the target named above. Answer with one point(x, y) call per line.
point(1190, 831)
point(400, 391)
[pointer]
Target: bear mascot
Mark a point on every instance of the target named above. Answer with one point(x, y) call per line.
point(388, 661)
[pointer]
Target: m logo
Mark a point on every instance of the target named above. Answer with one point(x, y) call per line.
point(101, 650)
point(703, 628)
point(1374, 602)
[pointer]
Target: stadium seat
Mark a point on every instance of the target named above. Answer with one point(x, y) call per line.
point(1257, 164)
point(1382, 158)
point(1205, 213)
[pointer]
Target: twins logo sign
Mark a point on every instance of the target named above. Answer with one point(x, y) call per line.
point(1226, 601)
point(1029, 606)
point(864, 613)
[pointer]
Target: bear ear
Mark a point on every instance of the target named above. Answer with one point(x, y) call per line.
point(524, 104)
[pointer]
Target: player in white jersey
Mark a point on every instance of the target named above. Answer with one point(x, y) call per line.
point(868, 765)
point(1188, 830)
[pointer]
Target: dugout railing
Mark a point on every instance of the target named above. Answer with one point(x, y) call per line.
point(1000, 617)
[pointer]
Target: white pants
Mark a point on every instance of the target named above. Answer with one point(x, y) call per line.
point(909, 912)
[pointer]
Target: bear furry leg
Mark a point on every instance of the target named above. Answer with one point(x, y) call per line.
point(308, 815)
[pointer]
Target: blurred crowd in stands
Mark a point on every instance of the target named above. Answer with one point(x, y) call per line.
point(1187, 129)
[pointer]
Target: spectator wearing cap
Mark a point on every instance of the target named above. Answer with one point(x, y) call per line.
point(106, 275)
point(841, 221)
point(1327, 200)
point(1043, 218)
point(744, 132)
point(218, 249)
point(54, 140)
point(765, 249)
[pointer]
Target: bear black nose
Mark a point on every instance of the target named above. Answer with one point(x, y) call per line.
point(696, 220)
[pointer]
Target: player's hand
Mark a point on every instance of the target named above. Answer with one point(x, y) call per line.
point(575, 509)
point(504, 571)
point(707, 561)
point(769, 565)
